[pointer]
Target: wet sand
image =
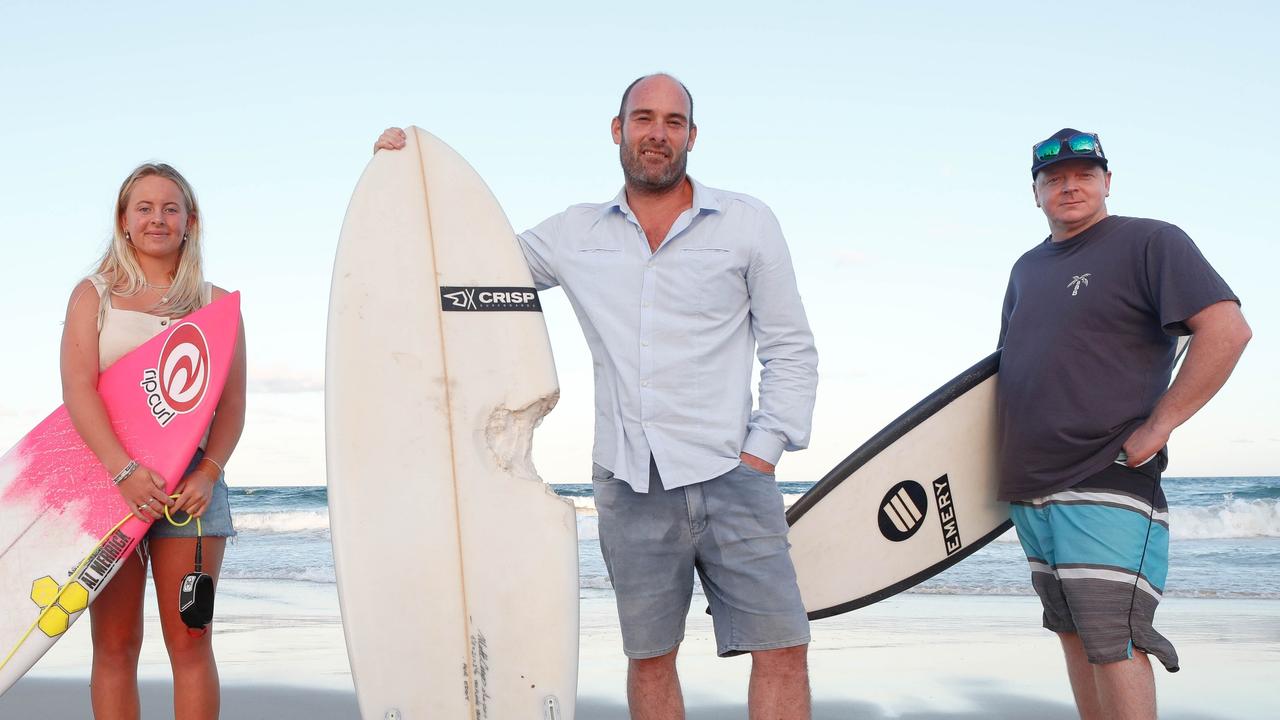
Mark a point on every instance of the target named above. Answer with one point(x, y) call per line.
point(281, 655)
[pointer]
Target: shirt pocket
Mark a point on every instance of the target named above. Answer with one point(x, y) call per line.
point(592, 272)
point(714, 280)
point(598, 255)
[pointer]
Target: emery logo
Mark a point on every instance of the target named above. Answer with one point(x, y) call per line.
point(947, 514)
point(178, 382)
point(491, 299)
point(902, 510)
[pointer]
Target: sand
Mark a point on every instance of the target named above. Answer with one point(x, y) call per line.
point(281, 655)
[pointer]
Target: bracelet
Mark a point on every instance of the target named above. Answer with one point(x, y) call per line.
point(215, 464)
point(125, 473)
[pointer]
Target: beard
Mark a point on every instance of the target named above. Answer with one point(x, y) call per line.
point(646, 178)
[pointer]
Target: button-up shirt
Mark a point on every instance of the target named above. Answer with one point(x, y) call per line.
point(671, 333)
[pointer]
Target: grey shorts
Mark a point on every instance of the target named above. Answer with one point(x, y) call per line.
point(216, 521)
point(731, 530)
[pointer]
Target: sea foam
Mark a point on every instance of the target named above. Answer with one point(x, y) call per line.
point(1231, 518)
point(283, 522)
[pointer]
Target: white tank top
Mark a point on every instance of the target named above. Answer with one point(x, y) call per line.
point(120, 331)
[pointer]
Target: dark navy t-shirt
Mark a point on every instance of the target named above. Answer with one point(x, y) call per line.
point(1089, 331)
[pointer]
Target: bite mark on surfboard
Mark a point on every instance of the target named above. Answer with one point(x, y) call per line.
point(509, 435)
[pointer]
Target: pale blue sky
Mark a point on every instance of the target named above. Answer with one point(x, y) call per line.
point(892, 141)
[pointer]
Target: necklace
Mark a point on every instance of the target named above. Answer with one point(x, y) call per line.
point(164, 298)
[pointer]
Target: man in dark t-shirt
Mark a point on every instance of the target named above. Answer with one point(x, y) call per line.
point(1090, 329)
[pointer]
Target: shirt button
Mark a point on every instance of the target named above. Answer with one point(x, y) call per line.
point(164, 322)
point(644, 343)
point(650, 266)
point(644, 304)
point(644, 383)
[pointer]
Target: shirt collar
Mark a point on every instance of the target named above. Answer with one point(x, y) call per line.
point(703, 200)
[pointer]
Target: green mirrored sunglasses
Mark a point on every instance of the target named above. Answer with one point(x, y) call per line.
point(1078, 144)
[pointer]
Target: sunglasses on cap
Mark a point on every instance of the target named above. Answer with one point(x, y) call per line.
point(1086, 144)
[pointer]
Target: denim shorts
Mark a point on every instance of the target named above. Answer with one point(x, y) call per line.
point(216, 521)
point(731, 530)
point(1099, 556)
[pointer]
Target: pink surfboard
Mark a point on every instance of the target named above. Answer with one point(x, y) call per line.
point(64, 528)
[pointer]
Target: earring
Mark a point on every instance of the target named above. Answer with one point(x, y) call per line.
point(127, 238)
point(184, 237)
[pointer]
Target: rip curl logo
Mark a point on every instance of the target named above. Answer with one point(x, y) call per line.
point(178, 382)
point(1078, 281)
point(491, 299)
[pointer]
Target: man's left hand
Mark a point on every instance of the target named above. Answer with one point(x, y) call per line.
point(756, 463)
point(1144, 443)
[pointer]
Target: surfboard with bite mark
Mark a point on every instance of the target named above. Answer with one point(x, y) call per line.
point(457, 566)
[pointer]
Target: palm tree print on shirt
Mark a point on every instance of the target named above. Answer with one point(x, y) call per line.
point(1077, 281)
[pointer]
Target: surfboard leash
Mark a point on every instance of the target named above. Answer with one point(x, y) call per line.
point(195, 592)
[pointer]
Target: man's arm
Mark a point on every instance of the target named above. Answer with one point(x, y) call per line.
point(1220, 334)
point(784, 346)
point(393, 138)
point(536, 244)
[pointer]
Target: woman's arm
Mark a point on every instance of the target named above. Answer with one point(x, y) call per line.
point(196, 488)
point(79, 367)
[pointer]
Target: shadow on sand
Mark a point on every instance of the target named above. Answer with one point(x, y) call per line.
point(59, 699)
point(991, 706)
point(69, 698)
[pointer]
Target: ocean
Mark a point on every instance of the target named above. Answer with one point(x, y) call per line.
point(1225, 541)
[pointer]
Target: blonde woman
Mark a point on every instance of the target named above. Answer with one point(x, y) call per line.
point(151, 274)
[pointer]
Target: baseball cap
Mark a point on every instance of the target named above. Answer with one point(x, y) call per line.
point(1067, 144)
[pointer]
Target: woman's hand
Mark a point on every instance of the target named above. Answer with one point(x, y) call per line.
point(144, 491)
point(196, 490)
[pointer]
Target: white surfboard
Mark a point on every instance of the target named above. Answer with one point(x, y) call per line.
point(456, 566)
point(914, 500)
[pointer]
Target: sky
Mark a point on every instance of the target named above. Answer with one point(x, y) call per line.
point(891, 140)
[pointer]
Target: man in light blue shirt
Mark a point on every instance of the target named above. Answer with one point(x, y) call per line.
point(672, 323)
point(675, 284)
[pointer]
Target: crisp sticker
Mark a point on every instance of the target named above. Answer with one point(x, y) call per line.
point(489, 299)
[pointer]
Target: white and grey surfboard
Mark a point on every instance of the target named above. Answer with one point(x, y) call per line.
point(457, 567)
point(915, 499)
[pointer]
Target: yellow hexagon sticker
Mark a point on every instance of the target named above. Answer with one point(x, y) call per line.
point(44, 591)
point(74, 598)
point(54, 621)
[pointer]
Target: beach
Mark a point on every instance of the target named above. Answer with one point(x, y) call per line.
point(281, 655)
point(967, 644)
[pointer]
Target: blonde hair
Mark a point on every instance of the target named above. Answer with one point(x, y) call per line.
point(119, 264)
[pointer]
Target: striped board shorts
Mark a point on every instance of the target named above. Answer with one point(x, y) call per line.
point(1099, 556)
